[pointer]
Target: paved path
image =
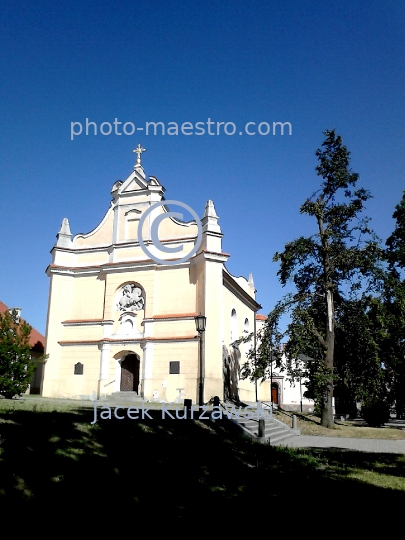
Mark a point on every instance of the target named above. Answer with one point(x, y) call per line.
point(363, 445)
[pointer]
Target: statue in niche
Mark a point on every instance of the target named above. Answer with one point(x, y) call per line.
point(131, 299)
point(231, 371)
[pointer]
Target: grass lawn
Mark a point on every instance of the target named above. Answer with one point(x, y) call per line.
point(310, 425)
point(56, 462)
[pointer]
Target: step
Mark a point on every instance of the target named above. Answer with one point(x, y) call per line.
point(268, 427)
point(283, 437)
point(275, 439)
point(274, 430)
point(280, 436)
point(123, 396)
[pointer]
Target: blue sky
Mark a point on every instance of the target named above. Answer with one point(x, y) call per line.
point(318, 65)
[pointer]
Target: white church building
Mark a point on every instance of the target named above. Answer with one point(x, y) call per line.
point(124, 298)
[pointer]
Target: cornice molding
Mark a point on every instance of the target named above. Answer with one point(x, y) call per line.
point(118, 245)
point(129, 341)
point(213, 256)
point(174, 317)
point(87, 322)
point(111, 267)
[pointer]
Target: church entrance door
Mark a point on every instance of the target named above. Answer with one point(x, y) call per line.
point(274, 393)
point(130, 373)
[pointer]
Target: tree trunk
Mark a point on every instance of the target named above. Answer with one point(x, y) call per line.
point(327, 409)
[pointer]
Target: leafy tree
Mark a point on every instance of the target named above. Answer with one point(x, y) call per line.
point(335, 263)
point(390, 311)
point(396, 242)
point(16, 364)
point(267, 353)
point(357, 373)
point(358, 363)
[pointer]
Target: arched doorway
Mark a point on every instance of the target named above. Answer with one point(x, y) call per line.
point(130, 373)
point(274, 393)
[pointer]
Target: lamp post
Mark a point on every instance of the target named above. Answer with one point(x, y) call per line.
point(305, 363)
point(271, 374)
point(200, 322)
point(300, 391)
point(271, 380)
point(305, 360)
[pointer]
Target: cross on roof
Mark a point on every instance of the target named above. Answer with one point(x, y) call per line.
point(138, 150)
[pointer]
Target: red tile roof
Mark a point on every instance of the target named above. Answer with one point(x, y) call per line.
point(260, 317)
point(37, 340)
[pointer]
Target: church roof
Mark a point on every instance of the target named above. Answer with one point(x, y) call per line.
point(37, 340)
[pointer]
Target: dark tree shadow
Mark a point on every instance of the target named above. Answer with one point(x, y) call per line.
point(58, 464)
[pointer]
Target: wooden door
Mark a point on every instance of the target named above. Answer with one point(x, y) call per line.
point(130, 373)
point(274, 393)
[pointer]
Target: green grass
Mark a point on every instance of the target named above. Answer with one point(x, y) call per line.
point(58, 463)
point(310, 425)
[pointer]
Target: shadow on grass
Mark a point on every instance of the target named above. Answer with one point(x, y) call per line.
point(173, 468)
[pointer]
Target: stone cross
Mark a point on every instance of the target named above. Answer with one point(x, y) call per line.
point(138, 150)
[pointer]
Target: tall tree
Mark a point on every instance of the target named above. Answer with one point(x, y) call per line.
point(391, 312)
point(388, 313)
point(336, 262)
point(396, 242)
point(16, 364)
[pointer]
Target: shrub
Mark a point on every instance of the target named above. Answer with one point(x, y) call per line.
point(376, 413)
point(16, 364)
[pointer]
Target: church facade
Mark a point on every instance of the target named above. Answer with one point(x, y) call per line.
point(124, 297)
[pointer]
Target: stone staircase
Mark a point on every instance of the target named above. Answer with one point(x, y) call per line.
point(275, 431)
point(120, 398)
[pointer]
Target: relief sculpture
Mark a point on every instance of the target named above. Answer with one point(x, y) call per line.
point(131, 299)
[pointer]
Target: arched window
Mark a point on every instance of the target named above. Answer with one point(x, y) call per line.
point(78, 368)
point(246, 346)
point(234, 326)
